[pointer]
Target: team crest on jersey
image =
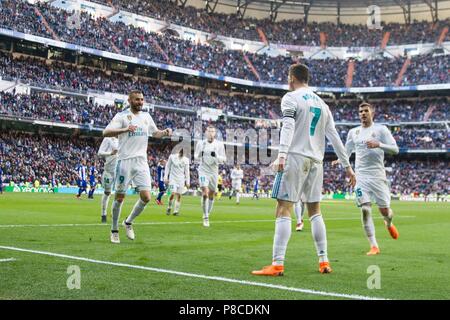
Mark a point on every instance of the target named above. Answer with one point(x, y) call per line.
point(129, 117)
point(357, 131)
point(305, 168)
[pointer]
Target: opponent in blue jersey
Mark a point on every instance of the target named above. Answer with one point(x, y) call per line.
point(160, 180)
point(92, 180)
point(82, 173)
point(255, 188)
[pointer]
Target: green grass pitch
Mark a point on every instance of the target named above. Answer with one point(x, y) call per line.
point(416, 266)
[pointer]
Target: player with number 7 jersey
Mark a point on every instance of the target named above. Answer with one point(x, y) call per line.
point(307, 121)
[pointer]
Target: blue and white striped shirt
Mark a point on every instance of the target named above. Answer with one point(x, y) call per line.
point(82, 172)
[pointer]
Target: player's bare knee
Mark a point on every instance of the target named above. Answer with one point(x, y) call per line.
point(313, 208)
point(145, 198)
point(284, 208)
point(384, 211)
point(120, 197)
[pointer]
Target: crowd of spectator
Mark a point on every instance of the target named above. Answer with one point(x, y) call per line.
point(293, 31)
point(68, 77)
point(394, 110)
point(26, 157)
point(422, 177)
point(68, 109)
point(62, 109)
point(104, 34)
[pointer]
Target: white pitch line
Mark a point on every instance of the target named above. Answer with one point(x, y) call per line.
point(8, 259)
point(200, 276)
point(169, 223)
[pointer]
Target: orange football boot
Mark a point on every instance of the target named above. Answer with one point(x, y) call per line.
point(324, 267)
point(271, 270)
point(373, 251)
point(392, 231)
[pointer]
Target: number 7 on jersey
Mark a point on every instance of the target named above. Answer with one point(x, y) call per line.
point(317, 112)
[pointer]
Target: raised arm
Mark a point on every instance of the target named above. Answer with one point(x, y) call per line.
point(155, 132)
point(116, 127)
point(388, 143)
point(105, 148)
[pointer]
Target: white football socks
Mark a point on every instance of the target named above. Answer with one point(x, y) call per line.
point(170, 204)
point(319, 234)
point(139, 206)
point(281, 239)
point(116, 208)
point(389, 218)
point(299, 209)
point(105, 199)
point(368, 225)
point(210, 205)
point(238, 196)
point(177, 206)
point(205, 203)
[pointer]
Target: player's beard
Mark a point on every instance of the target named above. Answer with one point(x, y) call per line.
point(136, 108)
point(366, 122)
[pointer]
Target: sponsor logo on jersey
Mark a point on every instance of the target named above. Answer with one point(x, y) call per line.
point(138, 133)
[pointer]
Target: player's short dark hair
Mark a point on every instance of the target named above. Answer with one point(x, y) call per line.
point(133, 92)
point(366, 104)
point(300, 72)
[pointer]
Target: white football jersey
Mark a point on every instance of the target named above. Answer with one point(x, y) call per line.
point(203, 153)
point(237, 175)
point(108, 145)
point(177, 169)
point(133, 144)
point(313, 122)
point(369, 162)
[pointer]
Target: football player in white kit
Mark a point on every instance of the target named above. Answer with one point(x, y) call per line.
point(307, 120)
point(210, 153)
point(132, 127)
point(370, 142)
point(177, 177)
point(236, 182)
point(108, 150)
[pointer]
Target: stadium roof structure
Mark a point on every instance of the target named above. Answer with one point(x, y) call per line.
point(273, 7)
